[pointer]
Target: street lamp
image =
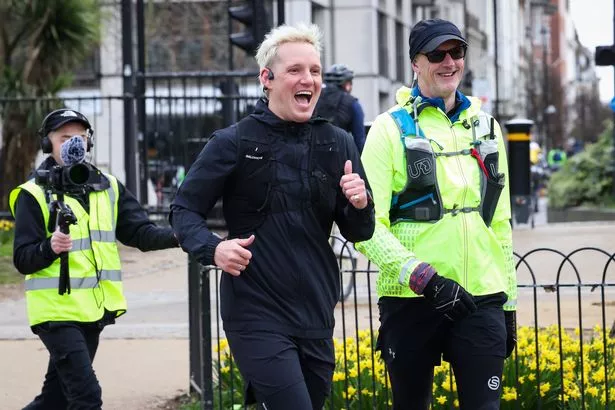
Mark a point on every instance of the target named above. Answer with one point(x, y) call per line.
point(549, 111)
point(548, 9)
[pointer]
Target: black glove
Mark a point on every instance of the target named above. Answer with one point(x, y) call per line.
point(510, 317)
point(446, 295)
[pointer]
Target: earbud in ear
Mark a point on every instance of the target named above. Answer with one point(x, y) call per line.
point(269, 74)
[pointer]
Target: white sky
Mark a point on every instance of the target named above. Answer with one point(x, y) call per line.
point(593, 20)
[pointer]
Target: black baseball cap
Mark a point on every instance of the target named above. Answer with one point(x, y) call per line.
point(58, 118)
point(427, 35)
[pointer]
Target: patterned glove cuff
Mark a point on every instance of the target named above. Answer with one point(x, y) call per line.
point(421, 275)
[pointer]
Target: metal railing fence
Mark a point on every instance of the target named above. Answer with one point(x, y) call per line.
point(174, 115)
point(564, 358)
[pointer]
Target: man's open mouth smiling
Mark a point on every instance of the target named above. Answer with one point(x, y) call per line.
point(303, 97)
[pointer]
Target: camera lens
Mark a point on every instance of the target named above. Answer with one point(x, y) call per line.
point(78, 174)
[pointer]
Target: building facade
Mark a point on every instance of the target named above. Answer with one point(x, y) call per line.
point(521, 53)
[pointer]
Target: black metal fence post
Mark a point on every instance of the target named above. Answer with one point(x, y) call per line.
point(206, 355)
point(140, 101)
point(199, 322)
point(194, 328)
point(130, 157)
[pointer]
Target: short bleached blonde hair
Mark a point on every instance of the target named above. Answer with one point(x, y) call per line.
point(298, 33)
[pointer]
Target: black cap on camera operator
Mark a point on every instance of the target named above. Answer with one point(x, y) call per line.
point(69, 324)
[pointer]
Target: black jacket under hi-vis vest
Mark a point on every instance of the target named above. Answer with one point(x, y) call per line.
point(278, 180)
point(335, 105)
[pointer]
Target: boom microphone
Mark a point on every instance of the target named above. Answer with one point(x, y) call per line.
point(73, 151)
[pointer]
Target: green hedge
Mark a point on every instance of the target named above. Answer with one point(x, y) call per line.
point(586, 178)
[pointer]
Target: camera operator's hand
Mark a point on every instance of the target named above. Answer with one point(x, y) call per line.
point(447, 296)
point(60, 242)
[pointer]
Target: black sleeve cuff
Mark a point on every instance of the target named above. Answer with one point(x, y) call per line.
point(210, 250)
point(46, 251)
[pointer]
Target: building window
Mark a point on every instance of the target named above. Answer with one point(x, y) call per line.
point(318, 18)
point(190, 36)
point(190, 54)
point(158, 57)
point(400, 52)
point(383, 101)
point(88, 74)
point(383, 50)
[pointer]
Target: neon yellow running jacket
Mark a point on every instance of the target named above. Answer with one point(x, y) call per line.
point(460, 247)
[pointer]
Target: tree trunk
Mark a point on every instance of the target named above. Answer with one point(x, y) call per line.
point(20, 146)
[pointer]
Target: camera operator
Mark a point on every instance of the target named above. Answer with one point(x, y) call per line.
point(70, 324)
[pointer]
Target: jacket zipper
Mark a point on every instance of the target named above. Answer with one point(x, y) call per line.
point(463, 201)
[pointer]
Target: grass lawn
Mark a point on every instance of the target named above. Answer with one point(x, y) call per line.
point(8, 273)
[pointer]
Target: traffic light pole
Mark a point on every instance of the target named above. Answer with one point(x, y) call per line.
point(230, 43)
point(140, 101)
point(546, 118)
point(130, 159)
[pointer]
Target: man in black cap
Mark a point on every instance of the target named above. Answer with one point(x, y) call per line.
point(443, 241)
point(68, 316)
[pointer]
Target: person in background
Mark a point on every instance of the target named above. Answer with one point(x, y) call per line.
point(556, 158)
point(69, 317)
point(443, 241)
point(285, 176)
point(337, 105)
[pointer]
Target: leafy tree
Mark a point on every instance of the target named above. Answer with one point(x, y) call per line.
point(41, 41)
point(587, 177)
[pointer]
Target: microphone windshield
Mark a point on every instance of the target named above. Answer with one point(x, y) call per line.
point(73, 150)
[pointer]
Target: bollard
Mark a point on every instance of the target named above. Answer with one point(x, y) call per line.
point(518, 130)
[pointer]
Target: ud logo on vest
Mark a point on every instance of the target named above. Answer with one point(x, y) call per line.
point(420, 167)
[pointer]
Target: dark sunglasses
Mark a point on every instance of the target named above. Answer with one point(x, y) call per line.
point(437, 56)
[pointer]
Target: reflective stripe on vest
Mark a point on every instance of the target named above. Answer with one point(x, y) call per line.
point(94, 262)
point(75, 283)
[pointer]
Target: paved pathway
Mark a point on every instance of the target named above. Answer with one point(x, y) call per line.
point(144, 357)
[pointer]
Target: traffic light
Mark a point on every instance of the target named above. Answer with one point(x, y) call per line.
point(605, 55)
point(254, 17)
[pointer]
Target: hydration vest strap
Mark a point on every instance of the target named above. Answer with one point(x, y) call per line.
point(465, 210)
point(405, 123)
point(466, 151)
point(417, 201)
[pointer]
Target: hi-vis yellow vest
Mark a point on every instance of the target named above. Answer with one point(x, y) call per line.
point(94, 262)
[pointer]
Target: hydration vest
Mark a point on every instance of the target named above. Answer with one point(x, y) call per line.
point(420, 200)
point(247, 199)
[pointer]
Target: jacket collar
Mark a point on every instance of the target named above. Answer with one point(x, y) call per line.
point(462, 103)
point(466, 106)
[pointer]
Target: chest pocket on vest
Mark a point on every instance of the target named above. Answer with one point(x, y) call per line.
point(257, 171)
point(324, 178)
